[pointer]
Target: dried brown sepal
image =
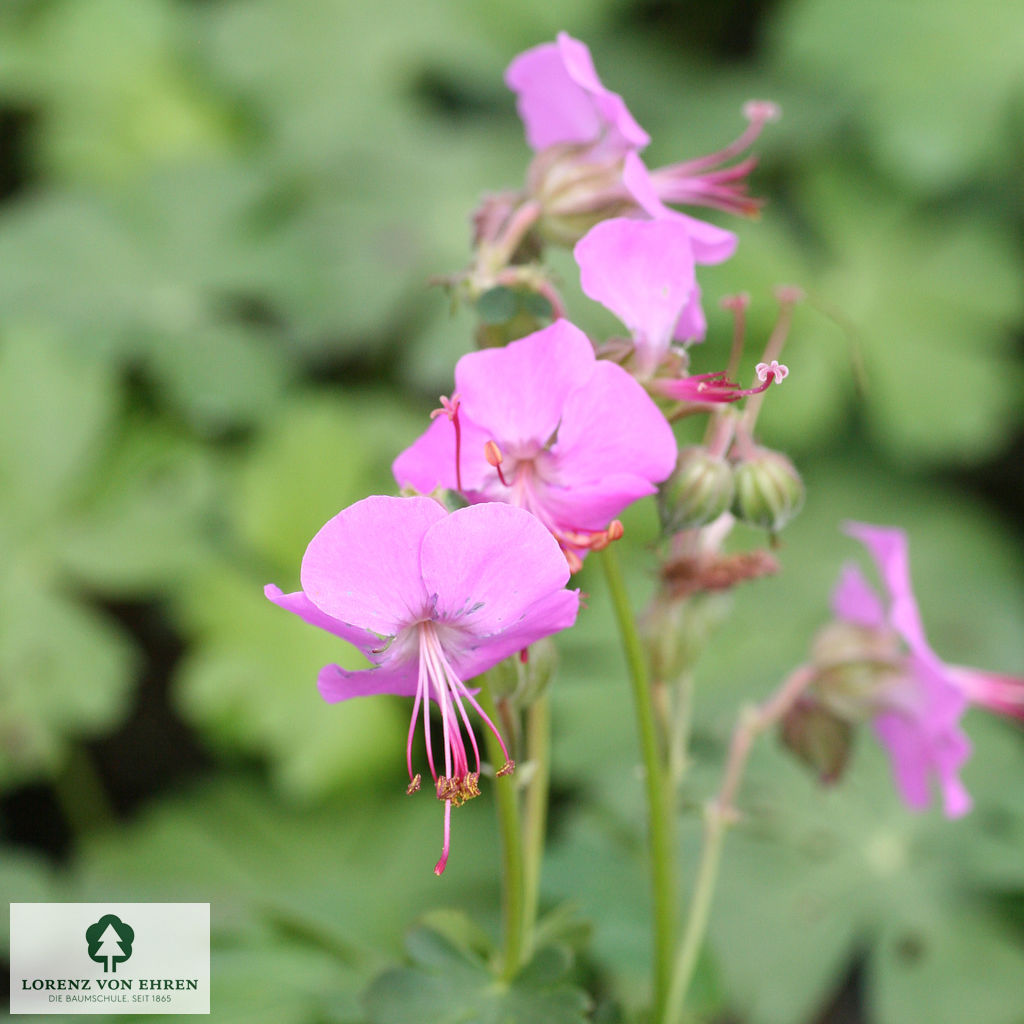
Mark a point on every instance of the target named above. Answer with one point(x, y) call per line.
point(694, 574)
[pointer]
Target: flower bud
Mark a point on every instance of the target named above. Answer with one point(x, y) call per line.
point(522, 678)
point(699, 490)
point(769, 491)
point(858, 669)
point(576, 190)
point(818, 737)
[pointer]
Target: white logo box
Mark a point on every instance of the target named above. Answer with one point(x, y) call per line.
point(110, 958)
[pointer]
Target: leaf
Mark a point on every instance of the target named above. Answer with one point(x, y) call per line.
point(65, 674)
point(932, 84)
point(55, 411)
point(447, 985)
point(145, 526)
point(250, 686)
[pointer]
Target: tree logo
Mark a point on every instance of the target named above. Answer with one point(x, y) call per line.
point(110, 942)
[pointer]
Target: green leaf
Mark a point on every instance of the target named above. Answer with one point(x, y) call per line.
point(250, 686)
point(932, 83)
point(145, 526)
point(497, 305)
point(56, 410)
point(65, 671)
point(446, 985)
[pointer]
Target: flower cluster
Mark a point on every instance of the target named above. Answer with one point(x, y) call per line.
point(546, 438)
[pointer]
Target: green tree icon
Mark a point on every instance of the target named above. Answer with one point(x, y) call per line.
point(110, 942)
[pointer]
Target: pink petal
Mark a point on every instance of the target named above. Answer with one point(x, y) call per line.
point(692, 325)
point(888, 547)
point(925, 740)
point(611, 426)
point(300, 605)
point(518, 391)
point(429, 462)
point(548, 615)
point(592, 506)
point(710, 244)
point(487, 566)
point(561, 100)
point(363, 567)
point(1001, 693)
point(337, 684)
point(854, 601)
point(643, 271)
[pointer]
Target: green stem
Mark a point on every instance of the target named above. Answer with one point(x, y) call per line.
point(506, 802)
point(719, 815)
point(535, 811)
point(659, 816)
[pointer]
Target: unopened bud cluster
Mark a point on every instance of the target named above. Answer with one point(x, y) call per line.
point(762, 489)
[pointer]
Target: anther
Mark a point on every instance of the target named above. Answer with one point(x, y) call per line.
point(506, 769)
point(492, 453)
point(414, 785)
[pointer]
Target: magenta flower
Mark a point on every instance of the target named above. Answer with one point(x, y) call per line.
point(584, 132)
point(432, 600)
point(546, 426)
point(921, 701)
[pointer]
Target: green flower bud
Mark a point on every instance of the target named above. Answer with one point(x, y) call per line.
point(818, 737)
point(699, 490)
point(769, 491)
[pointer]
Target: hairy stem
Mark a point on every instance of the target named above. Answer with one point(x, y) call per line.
point(659, 812)
point(719, 814)
point(535, 810)
point(506, 802)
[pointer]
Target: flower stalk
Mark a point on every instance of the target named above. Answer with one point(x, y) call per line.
point(719, 814)
point(659, 811)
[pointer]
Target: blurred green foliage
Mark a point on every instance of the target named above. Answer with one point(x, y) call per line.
point(217, 225)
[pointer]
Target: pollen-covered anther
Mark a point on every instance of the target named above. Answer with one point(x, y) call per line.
point(506, 769)
point(414, 785)
point(458, 789)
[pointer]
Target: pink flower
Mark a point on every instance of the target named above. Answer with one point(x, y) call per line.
point(921, 699)
point(547, 427)
point(432, 600)
point(582, 133)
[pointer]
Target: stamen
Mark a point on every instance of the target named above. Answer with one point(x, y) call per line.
point(737, 305)
point(506, 769)
point(492, 453)
point(414, 786)
point(710, 180)
point(450, 408)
